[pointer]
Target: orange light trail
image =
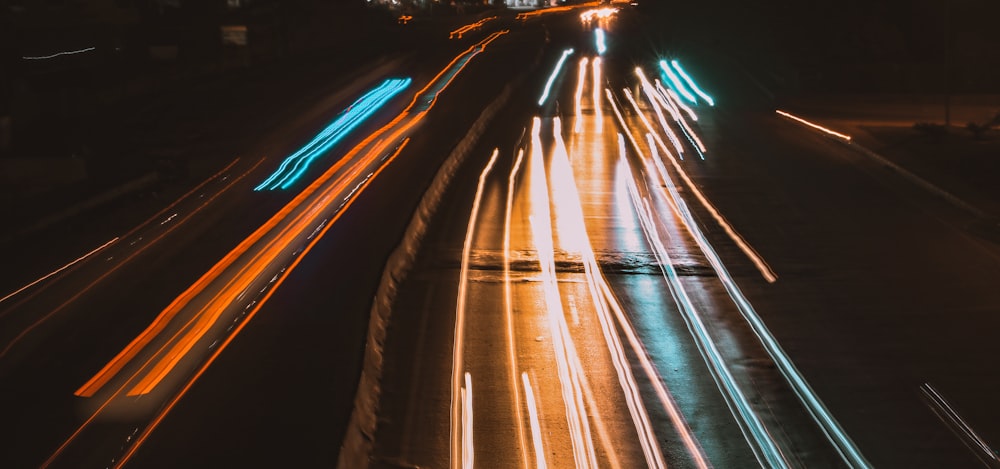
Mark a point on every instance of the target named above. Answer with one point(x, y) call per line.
point(256, 266)
point(457, 34)
point(458, 431)
point(382, 138)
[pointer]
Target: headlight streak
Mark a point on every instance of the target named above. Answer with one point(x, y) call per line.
point(673, 411)
point(831, 428)
point(57, 271)
point(815, 126)
point(393, 131)
point(58, 54)
point(293, 166)
point(164, 410)
point(396, 129)
point(597, 86)
point(458, 431)
point(127, 235)
point(125, 260)
point(599, 41)
point(552, 78)
point(676, 82)
point(668, 100)
point(509, 322)
point(569, 210)
point(468, 449)
point(536, 428)
point(756, 434)
point(570, 377)
point(581, 78)
point(672, 97)
point(755, 258)
point(642, 117)
point(648, 90)
point(687, 79)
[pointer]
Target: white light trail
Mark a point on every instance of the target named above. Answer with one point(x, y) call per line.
point(56, 272)
point(57, 54)
point(456, 372)
point(831, 428)
point(815, 126)
point(552, 78)
point(569, 377)
point(536, 428)
point(570, 212)
point(468, 449)
point(600, 41)
point(581, 75)
point(597, 87)
point(755, 258)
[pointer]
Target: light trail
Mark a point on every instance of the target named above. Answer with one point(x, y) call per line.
point(458, 434)
point(597, 13)
point(141, 438)
point(58, 54)
point(596, 95)
point(457, 34)
point(755, 258)
point(658, 109)
point(940, 406)
point(817, 410)
point(293, 166)
point(424, 99)
point(581, 78)
point(552, 78)
point(663, 101)
point(825, 130)
point(672, 97)
point(570, 211)
point(536, 428)
point(600, 42)
point(687, 79)
point(645, 122)
point(24, 333)
point(541, 227)
point(509, 309)
point(57, 271)
point(756, 434)
point(367, 161)
point(468, 447)
point(678, 85)
point(129, 234)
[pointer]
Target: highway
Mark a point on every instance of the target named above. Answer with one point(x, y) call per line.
point(636, 265)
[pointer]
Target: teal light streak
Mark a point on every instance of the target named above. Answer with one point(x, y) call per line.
point(676, 82)
point(691, 83)
point(552, 78)
point(296, 164)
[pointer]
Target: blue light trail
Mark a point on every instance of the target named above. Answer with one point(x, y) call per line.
point(676, 82)
point(292, 168)
point(552, 78)
point(691, 83)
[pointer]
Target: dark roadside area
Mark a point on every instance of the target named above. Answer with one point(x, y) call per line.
point(962, 158)
point(106, 165)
